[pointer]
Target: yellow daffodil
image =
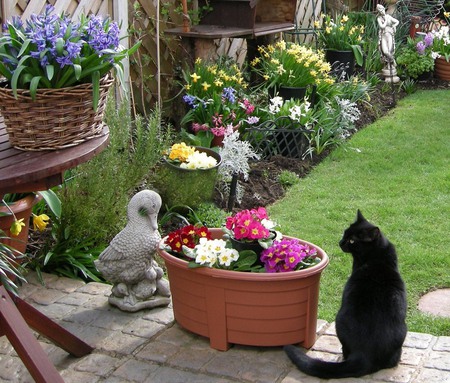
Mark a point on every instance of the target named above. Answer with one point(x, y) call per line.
point(205, 86)
point(344, 18)
point(40, 222)
point(195, 77)
point(16, 227)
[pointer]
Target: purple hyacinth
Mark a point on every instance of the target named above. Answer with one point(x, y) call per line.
point(229, 94)
point(420, 47)
point(428, 39)
point(102, 34)
point(190, 100)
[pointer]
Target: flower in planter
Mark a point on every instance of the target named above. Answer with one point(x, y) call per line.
point(441, 42)
point(341, 34)
point(50, 51)
point(188, 236)
point(250, 225)
point(288, 255)
point(187, 157)
point(276, 253)
point(40, 221)
point(416, 57)
point(292, 65)
point(216, 101)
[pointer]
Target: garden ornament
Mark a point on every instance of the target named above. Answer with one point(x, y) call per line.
point(128, 262)
point(386, 44)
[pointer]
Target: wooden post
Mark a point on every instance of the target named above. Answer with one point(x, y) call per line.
point(186, 24)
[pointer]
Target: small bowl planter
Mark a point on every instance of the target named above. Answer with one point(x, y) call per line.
point(254, 309)
point(187, 187)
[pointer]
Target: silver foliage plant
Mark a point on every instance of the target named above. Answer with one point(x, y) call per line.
point(235, 154)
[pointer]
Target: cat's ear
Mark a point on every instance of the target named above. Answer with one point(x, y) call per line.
point(359, 216)
point(372, 234)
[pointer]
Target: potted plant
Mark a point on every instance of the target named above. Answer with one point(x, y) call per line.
point(187, 175)
point(283, 128)
point(441, 50)
point(342, 40)
point(16, 210)
point(266, 297)
point(216, 102)
point(415, 58)
point(51, 60)
point(290, 70)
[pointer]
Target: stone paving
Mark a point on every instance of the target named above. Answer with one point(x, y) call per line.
point(149, 346)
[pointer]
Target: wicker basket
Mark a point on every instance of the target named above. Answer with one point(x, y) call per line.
point(57, 119)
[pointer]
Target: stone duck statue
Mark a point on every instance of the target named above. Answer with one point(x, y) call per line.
point(128, 262)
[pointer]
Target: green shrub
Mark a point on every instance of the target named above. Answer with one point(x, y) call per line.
point(95, 195)
point(287, 178)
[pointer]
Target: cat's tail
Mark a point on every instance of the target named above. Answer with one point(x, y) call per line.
point(350, 368)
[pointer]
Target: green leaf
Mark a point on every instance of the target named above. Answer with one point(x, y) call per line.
point(34, 85)
point(52, 201)
point(95, 89)
point(357, 51)
point(50, 70)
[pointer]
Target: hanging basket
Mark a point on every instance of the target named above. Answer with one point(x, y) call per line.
point(56, 119)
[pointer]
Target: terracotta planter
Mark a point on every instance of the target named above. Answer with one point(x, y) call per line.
point(255, 309)
point(442, 68)
point(22, 209)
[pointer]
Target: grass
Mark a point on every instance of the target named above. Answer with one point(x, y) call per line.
point(397, 172)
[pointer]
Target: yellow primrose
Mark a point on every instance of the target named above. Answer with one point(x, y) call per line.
point(195, 77)
point(40, 222)
point(16, 227)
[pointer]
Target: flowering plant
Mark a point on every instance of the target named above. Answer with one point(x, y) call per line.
point(40, 221)
point(51, 51)
point(441, 42)
point(216, 100)
point(299, 112)
point(340, 34)
point(200, 248)
point(187, 157)
point(416, 57)
point(288, 255)
point(291, 64)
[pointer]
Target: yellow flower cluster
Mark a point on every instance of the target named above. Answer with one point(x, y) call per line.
point(180, 152)
point(208, 77)
point(291, 64)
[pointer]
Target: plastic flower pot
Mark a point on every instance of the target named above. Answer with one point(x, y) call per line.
point(342, 62)
point(188, 187)
point(255, 309)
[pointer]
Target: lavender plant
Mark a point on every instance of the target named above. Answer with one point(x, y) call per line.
point(50, 51)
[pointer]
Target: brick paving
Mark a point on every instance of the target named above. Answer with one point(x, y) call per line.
point(148, 346)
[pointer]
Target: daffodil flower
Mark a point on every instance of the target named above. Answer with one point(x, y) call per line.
point(16, 227)
point(195, 77)
point(205, 86)
point(40, 222)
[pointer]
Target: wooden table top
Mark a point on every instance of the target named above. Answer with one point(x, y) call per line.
point(28, 171)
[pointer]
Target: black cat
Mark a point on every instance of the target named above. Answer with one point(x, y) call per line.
point(371, 321)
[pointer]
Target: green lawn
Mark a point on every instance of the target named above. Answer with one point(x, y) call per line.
point(397, 172)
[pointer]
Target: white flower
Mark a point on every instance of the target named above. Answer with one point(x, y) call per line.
point(268, 224)
point(210, 251)
point(227, 256)
point(275, 104)
point(199, 160)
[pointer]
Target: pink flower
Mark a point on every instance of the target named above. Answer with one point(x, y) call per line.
point(247, 224)
point(285, 255)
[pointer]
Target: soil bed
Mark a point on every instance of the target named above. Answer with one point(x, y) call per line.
point(263, 188)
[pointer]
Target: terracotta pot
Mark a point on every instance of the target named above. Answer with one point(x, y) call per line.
point(255, 309)
point(22, 209)
point(442, 68)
